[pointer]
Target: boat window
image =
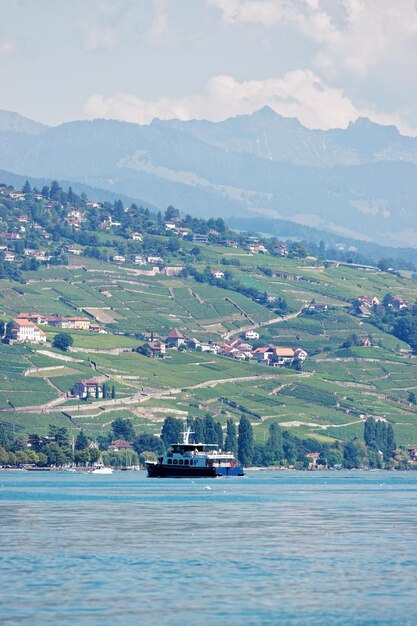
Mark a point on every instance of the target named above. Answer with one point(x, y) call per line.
point(175, 461)
point(186, 462)
point(169, 461)
point(180, 462)
point(191, 461)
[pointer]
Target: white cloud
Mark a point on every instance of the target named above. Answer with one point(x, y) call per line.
point(299, 93)
point(353, 35)
point(159, 29)
point(7, 48)
point(99, 37)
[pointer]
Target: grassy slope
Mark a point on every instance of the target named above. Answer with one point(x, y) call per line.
point(327, 400)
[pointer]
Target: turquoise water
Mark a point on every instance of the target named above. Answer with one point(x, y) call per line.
point(269, 548)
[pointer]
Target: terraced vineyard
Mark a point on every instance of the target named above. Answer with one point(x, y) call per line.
point(328, 399)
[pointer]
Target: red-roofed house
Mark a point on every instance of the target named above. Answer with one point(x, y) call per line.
point(24, 330)
point(175, 338)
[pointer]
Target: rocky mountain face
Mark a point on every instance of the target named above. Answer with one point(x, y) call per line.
point(360, 181)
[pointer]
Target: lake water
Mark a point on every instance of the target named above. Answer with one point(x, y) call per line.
point(269, 548)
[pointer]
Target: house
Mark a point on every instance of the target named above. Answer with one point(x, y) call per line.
point(170, 226)
point(300, 354)
point(136, 237)
point(229, 243)
point(265, 296)
point(120, 444)
point(155, 259)
point(251, 334)
point(397, 303)
point(24, 330)
point(35, 318)
point(313, 458)
point(367, 301)
point(73, 250)
point(363, 311)
point(88, 388)
point(118, 258)
point(366, 342)
point(150, 336)
point(139, 260)
point(8, 256)
point(175, 338)
point(258, 248)
point(279, 355)
point(315, 307)
point(283, 356)
point(156, 347)
point(200, 238)
point(217, 274)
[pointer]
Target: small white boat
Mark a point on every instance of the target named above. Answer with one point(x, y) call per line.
point(102, 470)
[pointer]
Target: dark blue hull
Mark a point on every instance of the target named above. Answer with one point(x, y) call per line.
point(158, 470)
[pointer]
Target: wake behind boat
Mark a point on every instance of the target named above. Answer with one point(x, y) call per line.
point(194, 460)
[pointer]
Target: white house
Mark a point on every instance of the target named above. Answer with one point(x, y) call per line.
point(118, 258)
point(155, 259)
point(251, 334)
point(217, 274)
point(24, 330)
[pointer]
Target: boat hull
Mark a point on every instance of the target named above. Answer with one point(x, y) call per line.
point(158, 470)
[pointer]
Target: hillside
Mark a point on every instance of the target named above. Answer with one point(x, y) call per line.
point(358, 182)
point(131, 274)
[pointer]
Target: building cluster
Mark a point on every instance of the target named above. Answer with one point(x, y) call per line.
point(239, 349)
point(364, 306)
point(24, 327)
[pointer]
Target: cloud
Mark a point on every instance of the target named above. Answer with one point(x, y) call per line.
point(299, 93)
point(7, 48)
point(159, 29)
point(352, 35)
point(99, 37)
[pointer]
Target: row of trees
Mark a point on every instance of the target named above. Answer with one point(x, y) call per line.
point(281, 448)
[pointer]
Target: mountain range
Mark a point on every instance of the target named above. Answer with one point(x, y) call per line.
point(360, 181)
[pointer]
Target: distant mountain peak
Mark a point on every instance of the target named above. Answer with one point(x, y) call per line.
point(364, 124)
point(16, 123)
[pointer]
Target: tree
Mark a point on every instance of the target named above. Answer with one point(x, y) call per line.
point(26, 187)
point(390, 442)
point(210, 432)
point(81, 441)
point(148, 443)
point(60, 436)
point(370, 433)
point(172, 430)
point(231, 437)
point(62, 341)
point(55, 455)
point(54, 188)
point(123, 429)
point(113, 392)
point(273, 446)
point(245, 441)
point(412, 397)
point(354, 455)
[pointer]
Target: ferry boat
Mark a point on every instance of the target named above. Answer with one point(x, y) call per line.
point(194, 460)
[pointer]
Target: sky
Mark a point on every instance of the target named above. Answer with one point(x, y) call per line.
point(326, 62)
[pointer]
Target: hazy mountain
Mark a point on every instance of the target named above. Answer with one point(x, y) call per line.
point(271, 136)
point(361, 181)
point(14, 122)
